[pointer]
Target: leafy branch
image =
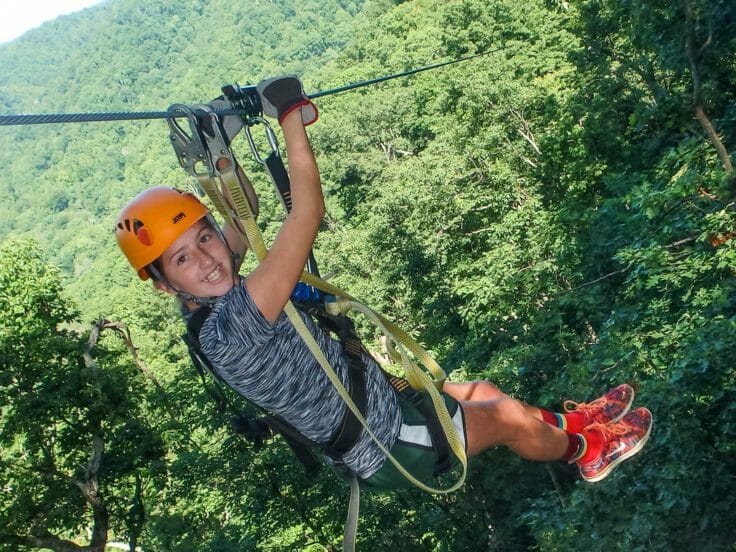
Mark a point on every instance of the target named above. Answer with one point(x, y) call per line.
point(694, 54)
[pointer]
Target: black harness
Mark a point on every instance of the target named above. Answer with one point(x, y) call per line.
point(256, 429)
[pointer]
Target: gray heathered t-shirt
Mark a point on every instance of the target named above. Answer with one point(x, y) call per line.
point(271, 366)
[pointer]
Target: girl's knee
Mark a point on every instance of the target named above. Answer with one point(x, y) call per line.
point(474, 391)
point(511, 411)
point(495, 422)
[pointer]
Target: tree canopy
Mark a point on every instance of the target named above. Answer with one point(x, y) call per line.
point(556, 216)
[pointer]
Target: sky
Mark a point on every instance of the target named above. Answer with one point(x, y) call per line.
point(19, 16)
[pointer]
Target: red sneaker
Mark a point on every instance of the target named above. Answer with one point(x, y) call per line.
point(609, 408)
point(622, 440)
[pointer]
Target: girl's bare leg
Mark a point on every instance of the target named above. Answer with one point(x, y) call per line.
point(493, 418)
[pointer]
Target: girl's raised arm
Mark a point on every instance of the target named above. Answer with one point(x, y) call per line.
point(272, 282)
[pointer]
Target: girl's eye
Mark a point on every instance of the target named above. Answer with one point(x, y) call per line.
point(182, 259)
point(205, 238)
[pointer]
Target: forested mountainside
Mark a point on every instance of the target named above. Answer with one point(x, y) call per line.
point(555, 216)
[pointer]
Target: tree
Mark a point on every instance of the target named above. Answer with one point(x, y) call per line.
point(71, 438)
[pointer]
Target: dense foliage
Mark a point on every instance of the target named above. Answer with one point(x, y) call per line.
point(555, 216)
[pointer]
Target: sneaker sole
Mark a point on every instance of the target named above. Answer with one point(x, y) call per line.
point(606, 472)
point(625, 410)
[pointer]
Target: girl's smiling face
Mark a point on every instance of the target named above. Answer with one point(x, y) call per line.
point(198, 263)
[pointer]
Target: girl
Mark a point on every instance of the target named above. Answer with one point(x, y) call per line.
point(169, 236)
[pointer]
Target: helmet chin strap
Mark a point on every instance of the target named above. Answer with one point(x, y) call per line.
point(234, 257)
point(182, 296)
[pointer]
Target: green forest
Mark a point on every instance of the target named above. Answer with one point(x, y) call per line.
point(555, 216)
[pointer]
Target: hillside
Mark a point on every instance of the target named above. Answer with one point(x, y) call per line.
point(555, 216)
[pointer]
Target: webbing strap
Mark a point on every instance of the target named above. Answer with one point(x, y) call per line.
point(349, 431)
point(242, 219)
point(351, 523)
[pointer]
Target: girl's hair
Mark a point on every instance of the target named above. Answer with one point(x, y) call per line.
point(157, 270)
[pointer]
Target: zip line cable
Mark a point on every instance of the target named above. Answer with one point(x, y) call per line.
point(397, 75)
point(53, 118)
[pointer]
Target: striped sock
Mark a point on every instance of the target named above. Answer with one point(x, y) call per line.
point(576, 448)
point(583, 447)
point(574, 422)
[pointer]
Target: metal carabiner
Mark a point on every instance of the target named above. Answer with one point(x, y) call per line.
point(214, 138)
point(270, 136)
point(216, 142)
point(189, 147)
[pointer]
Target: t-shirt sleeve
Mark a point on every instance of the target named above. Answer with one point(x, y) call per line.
point(240, 317)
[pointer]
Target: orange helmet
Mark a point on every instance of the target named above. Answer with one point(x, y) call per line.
point(152, 221)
